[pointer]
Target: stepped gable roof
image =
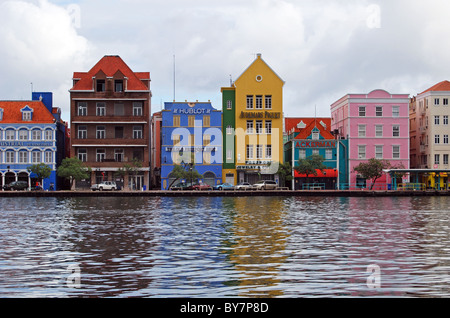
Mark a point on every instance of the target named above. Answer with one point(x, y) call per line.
point(304, 126)
point(110, 65)
point(13, 115)
point(439, 87)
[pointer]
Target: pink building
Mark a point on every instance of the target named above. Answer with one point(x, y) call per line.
point(376, 126)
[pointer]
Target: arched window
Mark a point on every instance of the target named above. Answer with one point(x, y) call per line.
point(36, 134)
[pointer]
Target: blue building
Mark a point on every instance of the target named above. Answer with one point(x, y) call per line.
point(191, 135)
point(31, 132)
point(308, 136)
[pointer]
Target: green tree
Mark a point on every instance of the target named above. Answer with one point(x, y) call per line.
point(73, 169)
point(285, 173)
point(372, 169)
point(185, 171)
point(41, 170)
point(310, 165)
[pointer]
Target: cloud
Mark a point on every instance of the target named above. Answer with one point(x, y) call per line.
point(40, 45)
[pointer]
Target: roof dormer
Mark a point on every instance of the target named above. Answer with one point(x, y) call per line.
point(27, 113)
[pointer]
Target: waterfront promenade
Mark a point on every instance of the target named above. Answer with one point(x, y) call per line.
point(232, 193)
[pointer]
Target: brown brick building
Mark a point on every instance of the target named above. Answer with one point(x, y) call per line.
point(110, 122)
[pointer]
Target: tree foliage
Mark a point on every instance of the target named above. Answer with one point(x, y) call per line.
point(73, 169)
point(185, 171)
point(285, 172)
point(372, 169)
point(41, 170)
point(310, 165)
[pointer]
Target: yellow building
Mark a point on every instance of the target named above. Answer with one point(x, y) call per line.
point(253, 125)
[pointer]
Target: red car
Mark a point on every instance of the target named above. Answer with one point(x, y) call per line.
point(199, 187)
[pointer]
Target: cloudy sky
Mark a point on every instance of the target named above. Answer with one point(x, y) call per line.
point(323, 49)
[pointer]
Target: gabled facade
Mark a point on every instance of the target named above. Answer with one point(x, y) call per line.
point(308, 136)
point(376, 125)
point(30, 134)
point(253, 125)
point(110, 122)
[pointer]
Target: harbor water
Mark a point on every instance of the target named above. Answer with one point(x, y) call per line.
point(276, 247)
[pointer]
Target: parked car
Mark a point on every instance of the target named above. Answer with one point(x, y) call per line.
point(243, 186)
point(224, 186)
point(105, 185)
point(181, 186)
point(265, 185)
point(203, 186)
point(16, 185)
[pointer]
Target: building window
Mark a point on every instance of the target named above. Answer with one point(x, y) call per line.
point(315, 151)
point(249, 102)
point(379, 111)
point(26, 116)
point(378, 131)
point(23, 157)
point(315, 135)
point(445, 101)
point(36, 157)
point(446, 139)
point(436, 102)
point(137, 132)
point(100, 85)
point(82, 154)
point(101, 109)
point(48, 134)
point(118, 86)
point(82, 132)
point(137, 109)
point(268, 126)
point(118, 132)
point(176, 121)
point(10, 134)
point(249, 151)
point(361, 152)
point(302, 154)
point(9, 156)
point(206, 121)
point(259, 102)
point(445, 120)
point(176, 140)
point(396, 152)
point(436, 120)
point(249, 126)
point(48, 157)
point(207, 157)
point(119, 110)
point(361, 130)
point(206, 140)
point(229, 130)
point(362, 111)
point(23, 134)
point(395, 111)
point(229, 154)
point(101, 132)
point(379, 152)
point(437, 139)
point(396, 131)
point(36, 134)
point(82, 109)
point(191, 121)
point(329, 154)
point(259, 151)
point(229, 104)
point(118, 155)
point(445, 161)
point(100, 155)
point(268, 102)
point(269, 152)
point(259, 127)
point(192, 140)
point(437, 158)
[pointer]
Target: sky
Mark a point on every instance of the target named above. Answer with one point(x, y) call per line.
point(322, 49)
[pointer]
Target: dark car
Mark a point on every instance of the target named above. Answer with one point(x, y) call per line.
point(181, 186)
point(16, 185)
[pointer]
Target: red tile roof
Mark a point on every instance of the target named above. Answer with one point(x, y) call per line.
point(310, 123)
point(13, 115)
point(110, 65)
point(443, 86)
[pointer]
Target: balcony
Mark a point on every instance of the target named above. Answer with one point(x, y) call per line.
point(423, 130)
point(110, 120)
point(112, 142)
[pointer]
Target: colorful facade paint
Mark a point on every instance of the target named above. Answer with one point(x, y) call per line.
point(30, 134)
point(376, 125)
point(155, 157)
point(253, 125)
point(308, 136)
point(191, 133)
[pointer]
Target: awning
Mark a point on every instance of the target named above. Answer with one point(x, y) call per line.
point(327, 173)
